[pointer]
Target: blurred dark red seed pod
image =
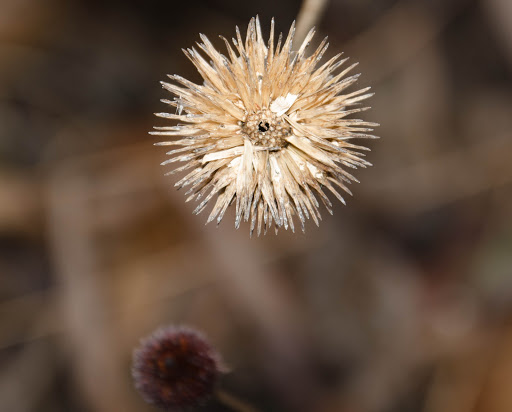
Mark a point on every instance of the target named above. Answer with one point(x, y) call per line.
point(176, 368)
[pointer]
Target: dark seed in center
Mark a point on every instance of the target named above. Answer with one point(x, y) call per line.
point(263, 127)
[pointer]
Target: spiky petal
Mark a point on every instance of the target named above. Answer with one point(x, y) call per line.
point(268, 130)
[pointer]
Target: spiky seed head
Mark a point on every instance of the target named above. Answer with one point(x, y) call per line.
point(269, 129)
point(176, 368)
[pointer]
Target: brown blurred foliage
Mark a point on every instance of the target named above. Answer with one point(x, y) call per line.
point(401, 301)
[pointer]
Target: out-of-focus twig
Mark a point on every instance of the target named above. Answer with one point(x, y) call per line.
point(383, 48)
point(35, 317)
point(87, 322)
point(26, 377)
point(233, 402)
point(500, 13)
point(447, 178)
point(309, 15)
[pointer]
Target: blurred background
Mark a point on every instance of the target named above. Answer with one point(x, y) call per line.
point(401, 301)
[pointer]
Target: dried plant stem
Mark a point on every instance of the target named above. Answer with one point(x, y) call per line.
point(233, 403)
point(309, 15)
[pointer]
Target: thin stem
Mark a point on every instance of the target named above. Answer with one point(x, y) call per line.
point(233, 403)
point(309, 15)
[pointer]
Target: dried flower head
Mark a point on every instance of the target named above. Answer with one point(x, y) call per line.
point(176, 368)
point(267, 129)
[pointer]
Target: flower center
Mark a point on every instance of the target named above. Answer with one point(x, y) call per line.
point(265, 129)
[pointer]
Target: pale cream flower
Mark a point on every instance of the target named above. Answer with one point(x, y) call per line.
point(267, 130)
